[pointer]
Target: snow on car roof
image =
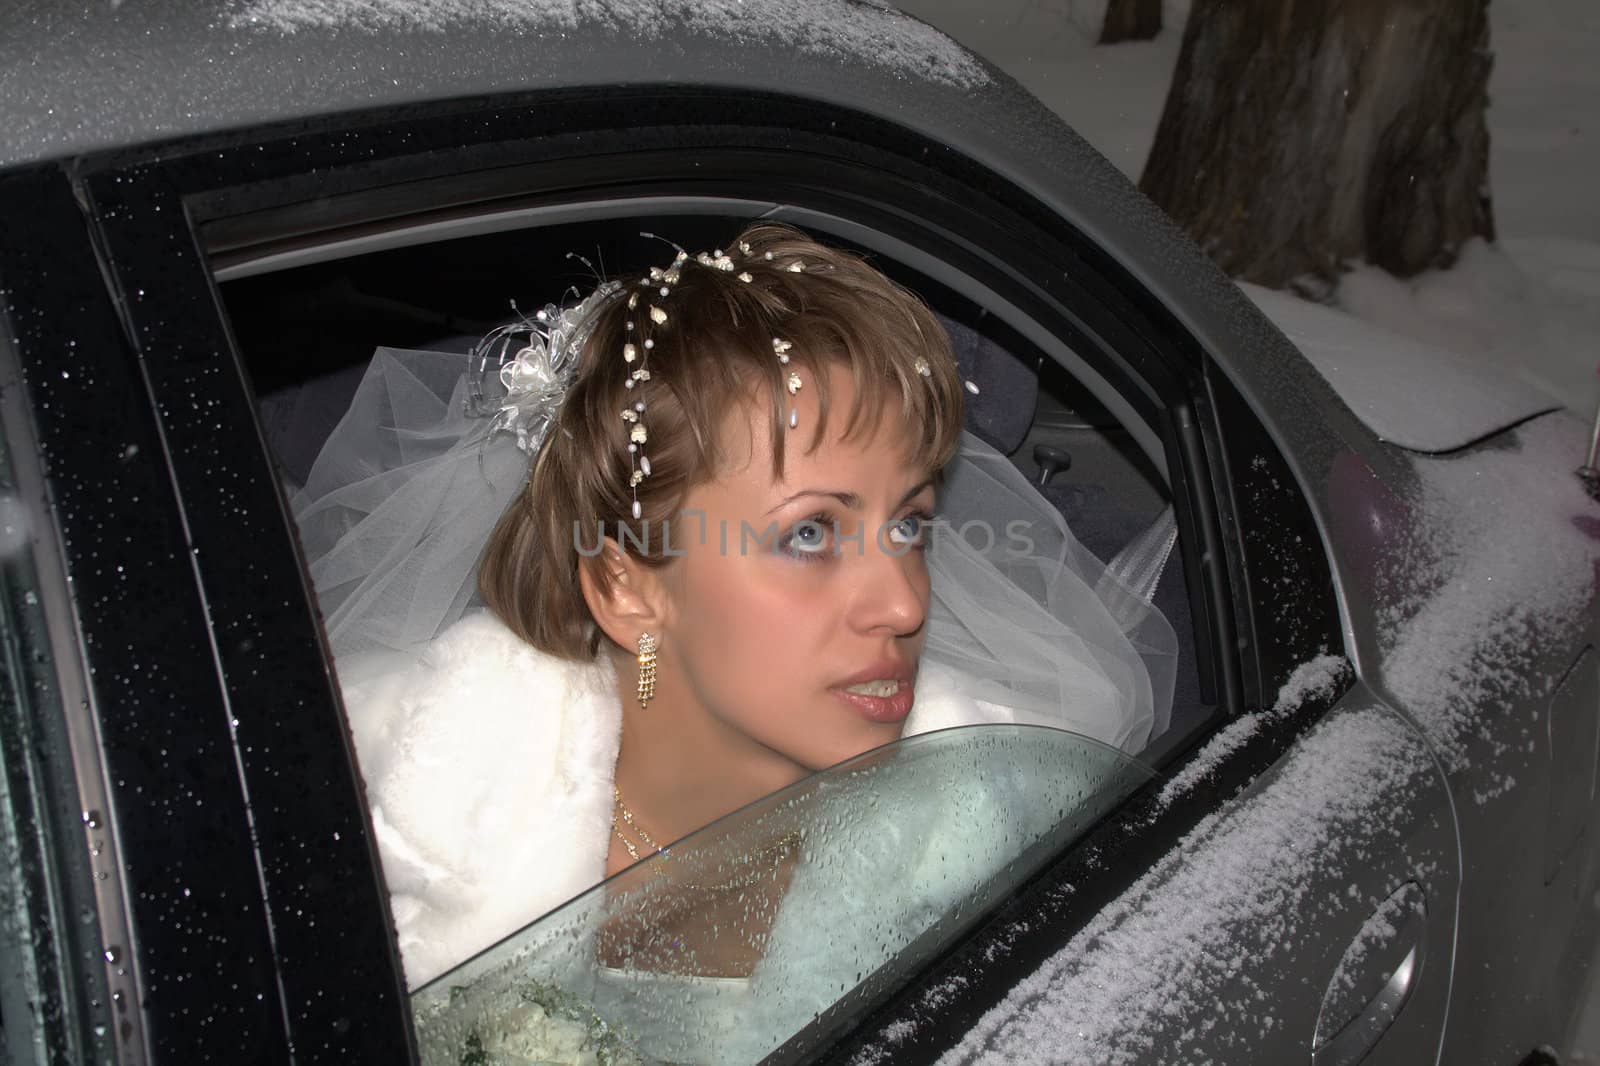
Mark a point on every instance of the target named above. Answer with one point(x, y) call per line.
point(1409, 393)
point(862, 31)
point(84, 78)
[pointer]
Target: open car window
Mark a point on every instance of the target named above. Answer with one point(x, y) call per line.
point(669, 961)
point(725, 945)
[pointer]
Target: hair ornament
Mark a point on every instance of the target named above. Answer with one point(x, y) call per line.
point(536, 377)
point(665, 278)
point(716, 261)
point(791, 381)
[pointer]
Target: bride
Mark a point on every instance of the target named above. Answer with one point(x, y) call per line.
point(716, 566)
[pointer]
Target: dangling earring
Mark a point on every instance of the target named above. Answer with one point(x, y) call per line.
point(647, 668)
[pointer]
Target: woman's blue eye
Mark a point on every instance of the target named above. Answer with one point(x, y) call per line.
point(808, 538)
point(910, 530)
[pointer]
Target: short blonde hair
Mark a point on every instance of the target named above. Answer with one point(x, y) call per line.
point(715, 354)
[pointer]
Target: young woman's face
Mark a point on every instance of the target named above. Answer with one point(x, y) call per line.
point(798, 623)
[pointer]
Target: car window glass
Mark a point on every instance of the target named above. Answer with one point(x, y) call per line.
point(722, 947)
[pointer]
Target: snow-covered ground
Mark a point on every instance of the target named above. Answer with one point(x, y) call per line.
point(1528, 304)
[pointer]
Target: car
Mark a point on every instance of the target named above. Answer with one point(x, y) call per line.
point(1367, 835)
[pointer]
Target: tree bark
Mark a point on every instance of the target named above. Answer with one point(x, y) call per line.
point(1300, 134)
point(1130, 20)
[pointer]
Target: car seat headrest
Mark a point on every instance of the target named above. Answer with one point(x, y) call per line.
point(1001, 412)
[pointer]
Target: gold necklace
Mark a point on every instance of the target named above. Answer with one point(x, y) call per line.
point(627, 817)
point(775, 851)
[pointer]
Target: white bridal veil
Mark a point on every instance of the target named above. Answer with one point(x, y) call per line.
point(400, 502)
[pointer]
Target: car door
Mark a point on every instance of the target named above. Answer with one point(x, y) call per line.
point(220, 850)
point(1302, 833)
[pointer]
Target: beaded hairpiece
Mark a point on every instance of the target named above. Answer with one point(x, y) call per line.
point(659, 284)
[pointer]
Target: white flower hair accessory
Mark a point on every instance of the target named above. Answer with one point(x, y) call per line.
point(537, 376)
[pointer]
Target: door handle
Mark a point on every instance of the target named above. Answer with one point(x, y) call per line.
point(1352, 1042)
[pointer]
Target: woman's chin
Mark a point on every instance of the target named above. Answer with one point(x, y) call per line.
point(849, 743)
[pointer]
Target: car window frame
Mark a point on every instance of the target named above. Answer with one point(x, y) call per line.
point(195, 183)
point(165, 824)
point(76, 995)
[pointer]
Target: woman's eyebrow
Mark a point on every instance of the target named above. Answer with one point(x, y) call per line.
point(926, 482)
point(851, 500)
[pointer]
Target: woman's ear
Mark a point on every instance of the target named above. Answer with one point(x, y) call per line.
point(628, 600)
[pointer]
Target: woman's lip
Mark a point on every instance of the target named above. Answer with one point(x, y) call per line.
point(883, 670)
point(880, 708)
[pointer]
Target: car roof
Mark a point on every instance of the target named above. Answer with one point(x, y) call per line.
point(81, 78)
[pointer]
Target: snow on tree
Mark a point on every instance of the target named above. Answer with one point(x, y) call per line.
point(1299, 134)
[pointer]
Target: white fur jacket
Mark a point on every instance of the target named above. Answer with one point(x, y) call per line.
point(489, 770)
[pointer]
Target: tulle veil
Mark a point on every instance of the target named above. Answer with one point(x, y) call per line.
point(400, 501)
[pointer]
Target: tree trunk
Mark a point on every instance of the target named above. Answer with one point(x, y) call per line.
point(1299, 134)
point(1130, 20)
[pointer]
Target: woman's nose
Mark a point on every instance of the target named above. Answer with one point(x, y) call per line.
point(891, 589)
